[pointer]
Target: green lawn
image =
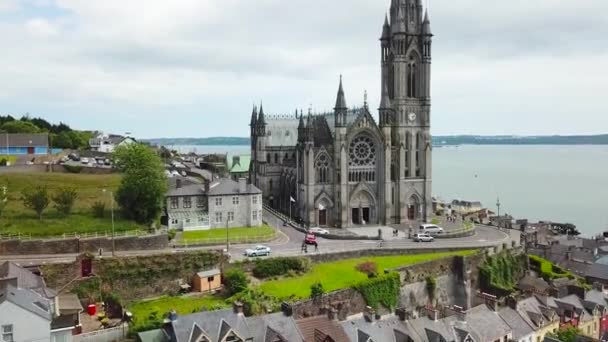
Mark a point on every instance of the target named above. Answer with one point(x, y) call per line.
point(234, 234)
point(18, 219)
point(342, 274)
point(150, 314)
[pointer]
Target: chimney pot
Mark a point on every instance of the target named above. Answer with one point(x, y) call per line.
point(178, 183)
point(238, 307)
point(242, 185)
point(332, 314)
point(369, 314)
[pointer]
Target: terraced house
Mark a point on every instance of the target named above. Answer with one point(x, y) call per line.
point(218, 204)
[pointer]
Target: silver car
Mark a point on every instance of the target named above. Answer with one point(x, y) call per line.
point(423, 237)
point(258, 251)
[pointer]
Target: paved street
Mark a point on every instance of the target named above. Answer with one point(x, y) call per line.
point(289, 242)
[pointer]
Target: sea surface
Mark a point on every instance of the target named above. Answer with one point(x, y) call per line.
point(561, 183)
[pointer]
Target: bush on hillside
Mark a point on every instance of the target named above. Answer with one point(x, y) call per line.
point(64, 200)
point(99, 209)
point(236, 281)
point(369, 267)
point(36, 199)
point(275, 267)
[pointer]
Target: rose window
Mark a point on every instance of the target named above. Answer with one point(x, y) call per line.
point(362, 152)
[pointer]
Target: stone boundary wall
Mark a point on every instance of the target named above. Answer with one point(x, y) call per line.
point(77, 245)
point(329, 257)
point(337, 237)
point(349, 302)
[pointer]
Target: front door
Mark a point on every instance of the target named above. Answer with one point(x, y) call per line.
point(411, 212)
point(323, 217)
point(365, 213)
point(355, 215)
point(30, 150)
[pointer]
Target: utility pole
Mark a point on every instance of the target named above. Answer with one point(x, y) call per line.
point(498, 207)
point(112, 213)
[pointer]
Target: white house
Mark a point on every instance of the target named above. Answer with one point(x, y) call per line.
point(24, 315)
point(107, 143)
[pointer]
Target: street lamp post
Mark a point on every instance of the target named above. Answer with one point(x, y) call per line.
point(498, 206)
point(112, 213)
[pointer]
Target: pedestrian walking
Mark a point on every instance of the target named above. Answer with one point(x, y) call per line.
point(316, 246)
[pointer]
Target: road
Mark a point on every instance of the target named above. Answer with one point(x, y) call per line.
point(290, 240)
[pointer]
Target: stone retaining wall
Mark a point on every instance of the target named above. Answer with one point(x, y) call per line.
point(76, 245)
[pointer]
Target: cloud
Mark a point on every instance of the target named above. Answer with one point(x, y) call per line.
point(161, 68)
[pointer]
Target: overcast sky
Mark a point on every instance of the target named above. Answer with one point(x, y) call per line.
point(194, 68)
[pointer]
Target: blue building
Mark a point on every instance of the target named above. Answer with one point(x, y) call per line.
point(24, 144)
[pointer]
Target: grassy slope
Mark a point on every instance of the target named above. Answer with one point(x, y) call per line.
point(234, 233)
point(160, 307)
point(342, 274)
point(18, 219)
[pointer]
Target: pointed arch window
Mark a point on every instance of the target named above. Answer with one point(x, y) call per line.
point(411, 78)
point(322, 169)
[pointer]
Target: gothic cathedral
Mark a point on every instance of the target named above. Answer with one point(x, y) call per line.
point(343, 169)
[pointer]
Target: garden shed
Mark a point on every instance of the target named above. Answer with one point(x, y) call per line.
point(207, 281)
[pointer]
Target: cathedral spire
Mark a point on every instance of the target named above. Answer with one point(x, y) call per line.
point(340, 100)
point(385, 101)
point(426, 24)
point(261, 120)
point(386, 29)
point(254, 115)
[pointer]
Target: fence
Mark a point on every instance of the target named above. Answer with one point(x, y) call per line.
point(105, 335)
point(76, 235)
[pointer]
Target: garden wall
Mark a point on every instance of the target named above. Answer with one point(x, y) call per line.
point(76, 245)
point(456, 277)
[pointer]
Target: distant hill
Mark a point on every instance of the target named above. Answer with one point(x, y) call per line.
point(437, 140)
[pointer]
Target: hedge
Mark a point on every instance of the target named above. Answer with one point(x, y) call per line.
point(275, 267)
point(383, 290)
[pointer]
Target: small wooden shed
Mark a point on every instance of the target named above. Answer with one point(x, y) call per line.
point(207, 281)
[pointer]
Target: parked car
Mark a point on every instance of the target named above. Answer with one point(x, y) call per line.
point(84, 160)
point(310, 239)
point(107, 162)
point(423, 237)
point(318, 231)
point(258, 251)
point(74, 157)
point(431, 229)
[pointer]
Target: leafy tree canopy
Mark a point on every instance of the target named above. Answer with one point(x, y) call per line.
point(20, 127)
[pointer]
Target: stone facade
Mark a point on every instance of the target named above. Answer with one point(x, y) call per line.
point(207, 206)
point(342, 169)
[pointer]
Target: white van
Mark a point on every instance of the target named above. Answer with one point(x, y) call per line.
point(431, 229)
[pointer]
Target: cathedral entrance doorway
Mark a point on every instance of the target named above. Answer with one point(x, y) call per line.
point(413, 208)
point(361, 209)
point(322, 217)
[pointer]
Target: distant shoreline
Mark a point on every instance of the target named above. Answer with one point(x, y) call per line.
point(438, 141)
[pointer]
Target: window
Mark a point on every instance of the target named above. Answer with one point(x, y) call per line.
point(187, 202)
point(187, 221)
point(200, 202)
point(276, 158)
point(201, 219)
point(218, 217)
point(218, 202)
point(7, 333)
point(322, 167)
point(235, 200)
point(210, 279)
point(174, 221)
point(270, 185)
point(174, 202)
point(254, 199)
point(255, 216)
point(230, 216)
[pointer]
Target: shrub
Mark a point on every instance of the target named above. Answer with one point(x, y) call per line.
point(431, 286)
point(316, 290)
point(99, 209)
point(369, 267)
point(236, 281)
point(3, 162)
point(256, 302)
point(72, 168)
point(279, 266)
point(36, 199)
point(171, 234)
point(64, 200)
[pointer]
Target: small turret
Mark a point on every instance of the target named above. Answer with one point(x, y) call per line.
point(340, 109)
point(254, 116)
point(301, 128)
point(309, 128)
point(261, 120)
point(385, 110)
point(340, 100)
point(399, 26)
point(386, 29)
point(426, 24)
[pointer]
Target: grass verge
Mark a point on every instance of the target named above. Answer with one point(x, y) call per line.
point(235, 235)
point(150, 314)
point(342, 274)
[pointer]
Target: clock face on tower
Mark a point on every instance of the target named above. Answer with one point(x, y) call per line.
point(411, 117)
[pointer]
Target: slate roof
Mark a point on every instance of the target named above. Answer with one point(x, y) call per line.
point(27, 299)
point(25, 140)
point(69, 302)
point(597, 297)
point(210, 324)
point(531, 283)
point(597, 271)
point(23, 278)
point(187, 190)
point(389, 329)
point(225, 186)
point(157, 335)
point(273, 326)
point(515, 321)
point(309, 327)
point(209, 273)
point(485, 323)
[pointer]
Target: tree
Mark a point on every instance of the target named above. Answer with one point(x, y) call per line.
point(99, 209)
point(566, 335)
point(36, 199)
point(144, 184)
point(20, 127)
point(62, 140)
point(235, 281)
point(64, 200)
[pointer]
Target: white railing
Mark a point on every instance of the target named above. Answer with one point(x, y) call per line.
point(18, 236)
point(77, 235)
point(105, 335)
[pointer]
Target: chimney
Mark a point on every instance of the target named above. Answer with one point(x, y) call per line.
point(369, 314)
point(287, 309)
point(433, 314)
point(242, 185)
point(178, 183)
point(238, 307)
point(403, 314)
point(172, 316)
point(207, 186)
point(511, 302)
